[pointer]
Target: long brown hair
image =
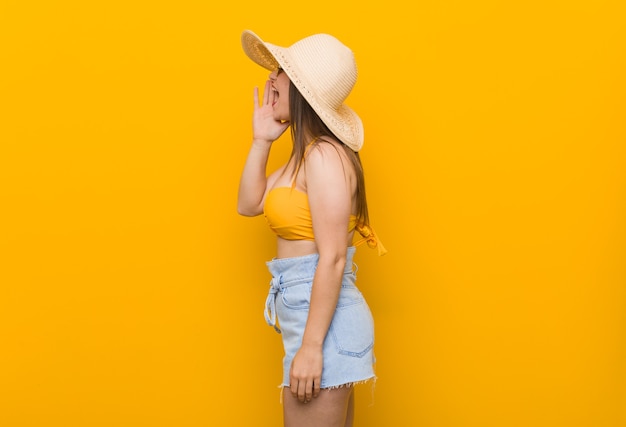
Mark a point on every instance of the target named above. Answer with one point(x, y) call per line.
point(305, 123)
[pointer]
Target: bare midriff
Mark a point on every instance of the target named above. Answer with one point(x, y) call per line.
point(295, 248)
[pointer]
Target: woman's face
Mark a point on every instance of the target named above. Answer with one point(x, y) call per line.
point(280, 94)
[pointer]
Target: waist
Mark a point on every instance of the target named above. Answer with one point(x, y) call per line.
point(300, 267)
point(286, 248)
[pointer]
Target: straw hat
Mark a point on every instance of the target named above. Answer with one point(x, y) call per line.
point(323, 70)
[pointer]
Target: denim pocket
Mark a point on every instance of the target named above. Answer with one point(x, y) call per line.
point(297, 297)
point(352, 329)
point(349, 295)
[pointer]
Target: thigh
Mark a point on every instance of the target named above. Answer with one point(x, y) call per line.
point(329, 409)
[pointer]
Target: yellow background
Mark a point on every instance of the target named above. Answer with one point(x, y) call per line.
point(131, 292)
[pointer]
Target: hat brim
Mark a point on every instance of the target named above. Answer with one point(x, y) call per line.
point(256, 50)
point(345, 124)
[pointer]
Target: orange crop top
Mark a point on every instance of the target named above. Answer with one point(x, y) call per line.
point(288, 214)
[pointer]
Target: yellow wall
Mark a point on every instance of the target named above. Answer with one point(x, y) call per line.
point(131, 293)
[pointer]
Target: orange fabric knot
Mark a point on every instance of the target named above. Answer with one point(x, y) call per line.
point(369, 236)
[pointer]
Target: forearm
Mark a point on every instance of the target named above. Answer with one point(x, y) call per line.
point(324, 297)
point(253, 179)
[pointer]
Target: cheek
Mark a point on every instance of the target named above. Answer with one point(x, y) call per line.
point(284, 89)
point(284, 100)
point(285, 95)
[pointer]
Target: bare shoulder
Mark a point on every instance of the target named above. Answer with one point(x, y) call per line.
point(328, 161)
point(324, 151)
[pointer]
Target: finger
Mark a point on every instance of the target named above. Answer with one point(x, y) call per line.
point(302, 391)
point(308, 393)
point(272, 96)
point(266, 93)
point(316, 387)
point(256, 97)
point(293, 382)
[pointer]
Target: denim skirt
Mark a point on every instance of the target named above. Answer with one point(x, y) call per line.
point(348, 347)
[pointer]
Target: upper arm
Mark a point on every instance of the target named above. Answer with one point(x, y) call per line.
point(329, 183)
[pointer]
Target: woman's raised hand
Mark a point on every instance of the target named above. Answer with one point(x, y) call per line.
point(264, 126)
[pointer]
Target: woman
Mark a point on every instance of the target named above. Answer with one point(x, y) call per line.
point(314, 203)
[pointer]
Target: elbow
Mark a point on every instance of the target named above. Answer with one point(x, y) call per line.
point(334, 261)
point(248, 206)
point(247, 211)
point(243, 211)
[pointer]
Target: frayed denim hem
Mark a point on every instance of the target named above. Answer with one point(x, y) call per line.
point(371, 380)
